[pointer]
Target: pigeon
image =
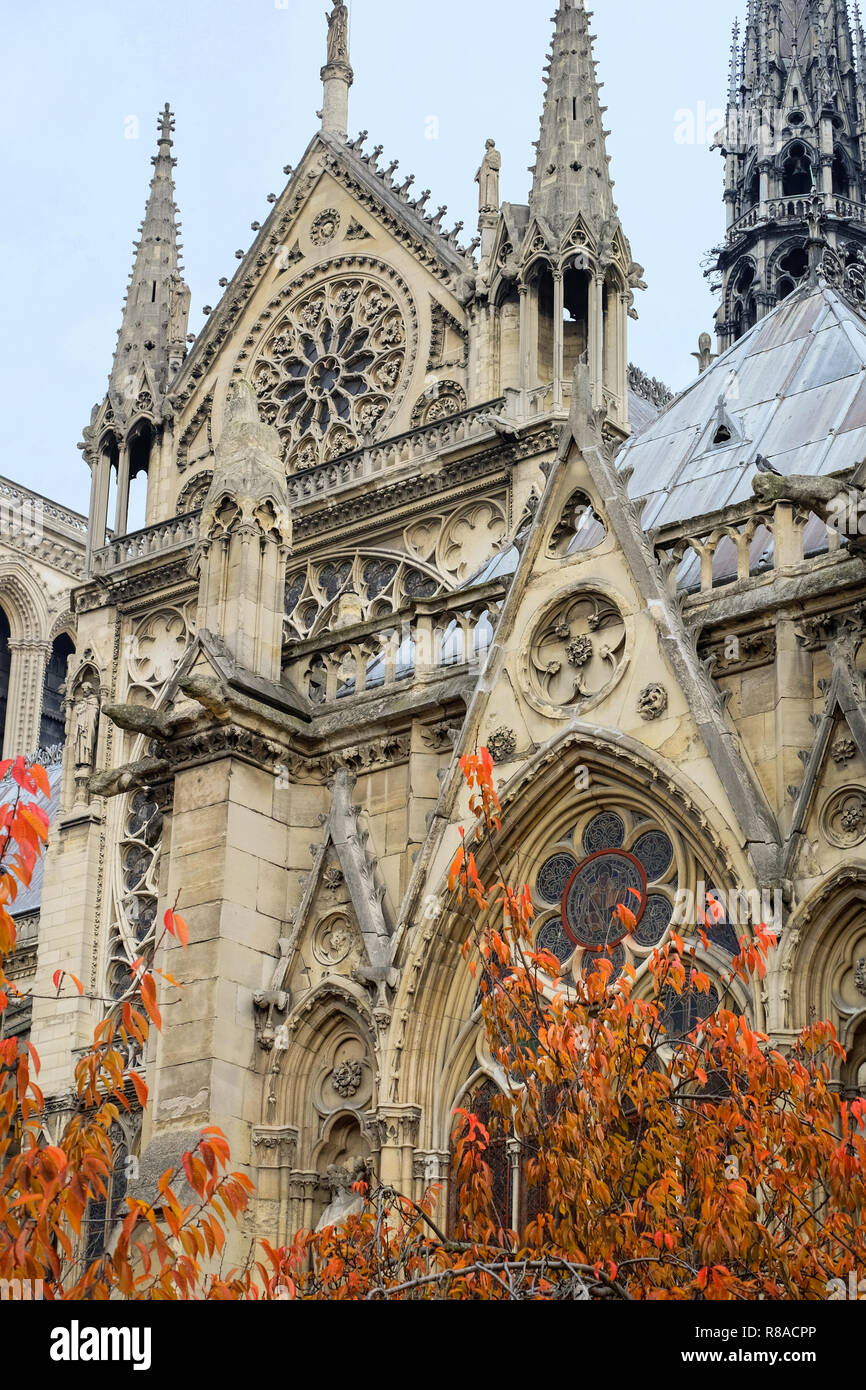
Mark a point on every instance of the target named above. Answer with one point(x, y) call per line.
point(764, 466)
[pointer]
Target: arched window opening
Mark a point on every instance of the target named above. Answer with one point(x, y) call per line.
point(5, 663)
point(545, 300)
point(753, 189)
point(576, 319)
point(509, 340)
point(793, 266)
point(610, 305)
point(798, 175)
point(52, 726)
point(722, 435)
point(841, 179)
point(103, 1212)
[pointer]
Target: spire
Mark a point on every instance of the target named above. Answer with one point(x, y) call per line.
point(152, 337)
point(571, 171)
point(337, 75)
point(736, 61)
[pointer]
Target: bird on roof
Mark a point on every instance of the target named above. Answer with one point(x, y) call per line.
point(764, 466)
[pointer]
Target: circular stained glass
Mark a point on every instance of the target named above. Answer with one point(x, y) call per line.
point(597, 887)
point(605, 831)
point(655, 852)
point(591, 963)
point(554, 938)
point(553, 876)
point(655, 921)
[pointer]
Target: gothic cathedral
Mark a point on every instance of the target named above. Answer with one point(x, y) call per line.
point(406, 498)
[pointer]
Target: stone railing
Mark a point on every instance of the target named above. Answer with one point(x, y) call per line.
point(427, 442)
point(440, 636)
point(14, 495)
point(796, 209)
point(750, 541)
point(165, 536)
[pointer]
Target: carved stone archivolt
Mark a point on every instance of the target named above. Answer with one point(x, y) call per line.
point(192, 495)
point(334, 367)
point(843, 819)
point(574, 653)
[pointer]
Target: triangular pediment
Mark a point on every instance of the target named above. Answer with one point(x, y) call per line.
point(347, 251)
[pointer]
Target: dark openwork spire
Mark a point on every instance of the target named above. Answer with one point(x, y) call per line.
point(794, 132)
point(156, 310)
point(571, 172)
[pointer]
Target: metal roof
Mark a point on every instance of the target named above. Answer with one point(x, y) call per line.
point(792, 389)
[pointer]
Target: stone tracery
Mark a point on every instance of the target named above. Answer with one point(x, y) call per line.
point(334, 367)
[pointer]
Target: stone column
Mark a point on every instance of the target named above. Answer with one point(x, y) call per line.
point(398, 1134)
point(98, 517)
point(122, 507)
point(24, 701)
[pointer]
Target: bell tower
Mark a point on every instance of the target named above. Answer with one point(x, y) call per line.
point(793, 146)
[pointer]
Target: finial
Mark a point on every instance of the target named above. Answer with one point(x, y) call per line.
point(166, 125)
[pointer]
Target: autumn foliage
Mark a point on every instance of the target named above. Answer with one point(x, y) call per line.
point(706, 1165)
point(167, 1249)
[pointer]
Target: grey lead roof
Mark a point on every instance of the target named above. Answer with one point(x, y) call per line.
point(792, 389)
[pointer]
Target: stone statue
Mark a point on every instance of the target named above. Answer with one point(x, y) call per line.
point(344, 1202)
point(338, 34)
point(705, 355)
point(86, 711)
point(178, 308)
point(487, 179)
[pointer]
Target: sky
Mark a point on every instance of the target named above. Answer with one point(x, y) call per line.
point(83, 83)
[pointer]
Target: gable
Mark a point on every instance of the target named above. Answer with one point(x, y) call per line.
point(346, 314)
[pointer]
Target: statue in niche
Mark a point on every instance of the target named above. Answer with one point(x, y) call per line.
point(178, 308)
point(338, 34)
point(85, 711)
point(344, 1201)
point(487, 178)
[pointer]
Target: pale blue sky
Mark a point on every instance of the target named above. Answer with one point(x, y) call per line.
point(243, 79)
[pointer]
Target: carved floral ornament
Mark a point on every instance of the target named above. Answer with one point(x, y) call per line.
point(843, 819)
point(334, 367)
point(575, 653)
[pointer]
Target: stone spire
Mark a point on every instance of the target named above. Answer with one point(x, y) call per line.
point(571, 171)
point(337, 74)
point(151, 344)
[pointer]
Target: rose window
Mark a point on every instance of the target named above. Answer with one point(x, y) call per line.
point(333, 369)
point(616, 858)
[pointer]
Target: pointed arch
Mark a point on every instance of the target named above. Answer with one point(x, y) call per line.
point(822, 950)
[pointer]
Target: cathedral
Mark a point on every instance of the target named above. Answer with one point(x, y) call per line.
point(407, 497)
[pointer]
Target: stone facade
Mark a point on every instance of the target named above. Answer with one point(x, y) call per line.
point(398, 507)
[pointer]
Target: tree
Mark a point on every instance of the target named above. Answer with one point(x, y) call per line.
point(165, 1250)
point(663, 1163)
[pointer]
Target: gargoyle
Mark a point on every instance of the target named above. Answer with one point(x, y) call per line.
point(128, 778)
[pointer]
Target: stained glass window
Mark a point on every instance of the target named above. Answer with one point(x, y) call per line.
point(655, 852)
point(598, 886)
point(605, 831)
point(553, 876)
point(480, 1103)
point(554, 938)
point(593, 959)
point(655, 921)
point(681, 1013)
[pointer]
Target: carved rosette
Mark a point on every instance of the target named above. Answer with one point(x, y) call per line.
point(575, 653)
point(502, 744)
point(652, 701)
point(843, 819)
point(334, 367)
point(843, 750)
